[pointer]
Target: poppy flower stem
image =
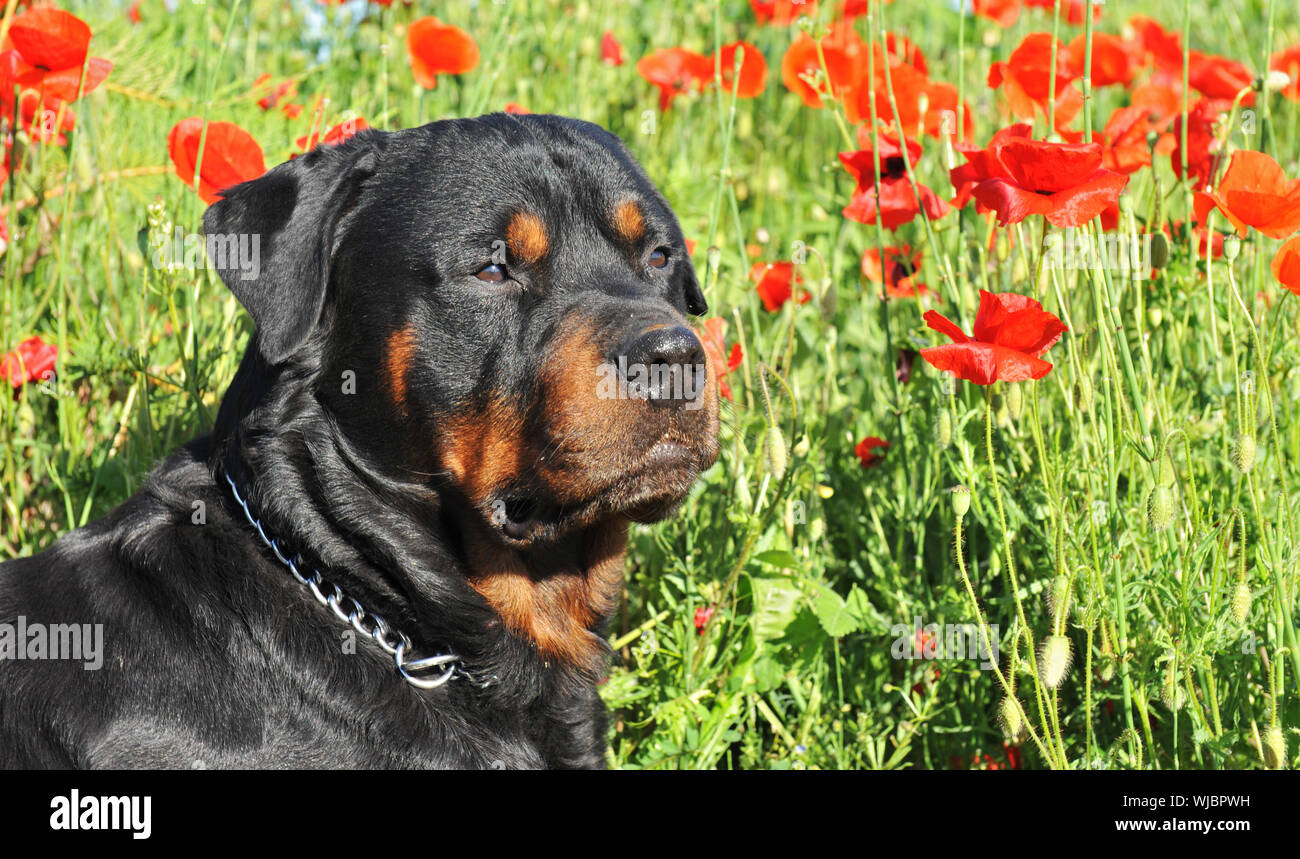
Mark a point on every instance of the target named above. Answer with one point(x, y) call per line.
point(1013, 582)
point(945, 264)
point(1008, 686)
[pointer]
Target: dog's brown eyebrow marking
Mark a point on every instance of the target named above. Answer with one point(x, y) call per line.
point(629, 221)
point(397, 360)
point(526, 237)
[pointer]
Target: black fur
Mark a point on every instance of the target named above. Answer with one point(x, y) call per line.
point(214, 655)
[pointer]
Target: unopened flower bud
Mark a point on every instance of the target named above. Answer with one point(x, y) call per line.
point(1160, 508)
point(1015, 401)
point(1241, 597)
point(1243, 453)
point(1159, 250)
point(943, 429)
point(1274, 742)
point(775, 457)
point(1054, 661)
point(1013, 727)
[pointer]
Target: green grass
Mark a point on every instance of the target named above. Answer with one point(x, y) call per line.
point(809, 570)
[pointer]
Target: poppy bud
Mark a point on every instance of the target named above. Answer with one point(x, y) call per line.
point(1159, 250)
point(1002, 247)
point(1054, 660)
point(743, 497)
point(1274, 747)
point(1231, 247)
point(960, 501)
point(1083, 394)
point(1241, 597)
point(1243, 453)
point(775, 457)
point(1013, 727)
point(1153, 137)
point(1155, 316)
point(1160, 508)
point(816, 530)
point(1171, 691)
point(801, 446)
point(943, 429)
point(1107, 672)
point(1015, 401)
point(1058, 596)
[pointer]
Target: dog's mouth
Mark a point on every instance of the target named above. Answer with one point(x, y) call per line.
point(649, 491)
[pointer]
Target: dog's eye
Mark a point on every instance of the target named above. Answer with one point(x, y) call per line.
point(659, 257)
point(492, 273)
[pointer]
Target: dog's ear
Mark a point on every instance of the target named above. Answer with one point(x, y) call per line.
point(289, 216)
point(695, 303)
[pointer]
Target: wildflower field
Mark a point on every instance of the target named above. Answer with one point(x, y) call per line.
point(1001, 299)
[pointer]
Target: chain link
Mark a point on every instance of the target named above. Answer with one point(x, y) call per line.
point(392, 641)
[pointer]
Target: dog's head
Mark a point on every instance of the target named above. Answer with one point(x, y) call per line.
point(498, 304)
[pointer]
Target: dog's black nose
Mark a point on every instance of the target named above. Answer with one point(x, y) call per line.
point(664, 365)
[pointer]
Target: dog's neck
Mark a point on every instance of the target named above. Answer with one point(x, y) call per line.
point(402, 551)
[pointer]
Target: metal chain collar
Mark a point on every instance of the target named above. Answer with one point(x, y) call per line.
point(393, 641)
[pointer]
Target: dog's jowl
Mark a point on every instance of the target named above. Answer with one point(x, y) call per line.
point(473, 368)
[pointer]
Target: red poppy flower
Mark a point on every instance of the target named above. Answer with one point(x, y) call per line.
point(1074, 12)
point(1161, 101)
point(33, 360)
point(1064, 182)
point(516, 108)
point(897, 204)
point(435, 48)
point(230, 156)
point(273, 95)
point(1156, 44)
point(1254, 192)
point(866, 451)
point(611, 52)
point(981, 164)
point(675, 71)
point(801, 63)
point(1011, 332)
point(775, 281)
point(1288, 61)
point(713, 337)
point(1025, 79)
point(1219, 77)
point(924, 106)
point(1202, 144)
point(703, 615)
point(52, 47)
point(1286, 265)
point(46, 121)
point(337, 134)
point(1124, 140)
point(1002, 12)
point(1113, 60)
point(899, 275)
point(753, 70)
point(782, 12)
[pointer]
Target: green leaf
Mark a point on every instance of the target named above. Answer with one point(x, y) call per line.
point(836, 615)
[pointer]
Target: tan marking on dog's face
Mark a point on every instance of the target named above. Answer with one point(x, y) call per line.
point(526, 237)
point(629, 221)
point(557, 610)
point(397, 360)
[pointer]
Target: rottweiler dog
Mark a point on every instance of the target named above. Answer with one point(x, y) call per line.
point(472, 369)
